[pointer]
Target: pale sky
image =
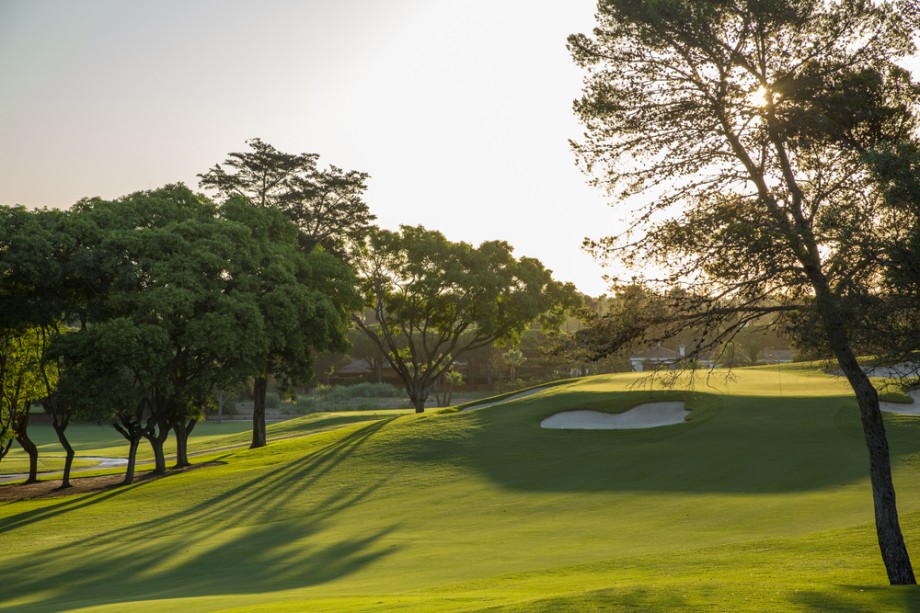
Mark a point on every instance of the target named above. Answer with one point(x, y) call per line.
point(460, 111)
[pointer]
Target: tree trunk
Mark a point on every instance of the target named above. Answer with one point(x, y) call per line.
point(59, 429)
point(418, 397)
point(157, 439)
point(127, 423)
point(159, 458)
point(183, 430)
point(133, 444)
point(887, 527)
point(60, 419)
point(22, 437)
point(259, 388)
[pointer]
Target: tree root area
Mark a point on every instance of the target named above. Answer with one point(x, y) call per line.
point(51, 487)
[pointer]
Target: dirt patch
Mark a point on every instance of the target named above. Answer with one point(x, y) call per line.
point(50, 488)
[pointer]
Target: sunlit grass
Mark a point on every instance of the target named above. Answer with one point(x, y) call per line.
point(760, 502)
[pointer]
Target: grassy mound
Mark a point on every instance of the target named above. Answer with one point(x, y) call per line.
point(760, 502)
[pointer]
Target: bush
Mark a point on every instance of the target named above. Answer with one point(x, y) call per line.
point(358, 390)
point(304, 405)
point(272, 400)
point(358, 397)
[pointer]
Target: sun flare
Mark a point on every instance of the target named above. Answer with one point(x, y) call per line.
point(758, 97)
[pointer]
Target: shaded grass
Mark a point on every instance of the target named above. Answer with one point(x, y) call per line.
point(759, 503)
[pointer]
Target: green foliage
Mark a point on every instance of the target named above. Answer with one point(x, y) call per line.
point(357, 397)
point(304, 299)
point(326, 205)
point(272, 400)
point(432, 300)
point(733, 144)
point(358, 390)
point(183, 288)
point(21, 380)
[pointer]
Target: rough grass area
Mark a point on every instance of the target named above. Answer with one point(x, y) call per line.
point(760, 502)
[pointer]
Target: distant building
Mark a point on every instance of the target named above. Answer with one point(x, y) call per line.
point(654, 358)
point(357, 371)
point(662, 357)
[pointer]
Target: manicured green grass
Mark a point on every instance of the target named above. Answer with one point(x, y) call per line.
point(760, 502)
point(103, 441)
point(896, 397)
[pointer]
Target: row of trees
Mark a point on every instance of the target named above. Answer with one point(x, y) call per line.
point(138, 311)
point(139, 308)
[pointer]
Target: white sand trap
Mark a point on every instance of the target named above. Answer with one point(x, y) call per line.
point(652, 415)
point(903, 409)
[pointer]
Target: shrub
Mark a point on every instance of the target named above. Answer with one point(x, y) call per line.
point(358, 390)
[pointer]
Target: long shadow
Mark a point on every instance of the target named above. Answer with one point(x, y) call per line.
point(27, 517)
point(730, 445)
point(68, 505)
point(264, 534)
point(605, 600)
point(862, 599)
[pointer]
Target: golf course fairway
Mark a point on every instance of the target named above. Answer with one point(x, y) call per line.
point(760, 501)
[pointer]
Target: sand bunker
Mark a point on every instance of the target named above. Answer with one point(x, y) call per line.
point(651, 415)
point(903, 409)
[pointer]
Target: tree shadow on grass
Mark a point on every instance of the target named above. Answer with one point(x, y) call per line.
point(637, 601)
point(860, 599)
point(264, 534)
point(730, 445)
point(12, 522)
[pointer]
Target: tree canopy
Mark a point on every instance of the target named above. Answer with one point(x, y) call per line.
point(181, 310)
point(304, 300)
point(434, 300)
point(741, 134)
point(327, 205)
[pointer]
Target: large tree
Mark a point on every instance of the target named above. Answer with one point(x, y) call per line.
point(304, 300)
point(741, 131)
point(326, 204)
point(328, 209)
point(36, 257)
point(433, 300)
point(182, 318)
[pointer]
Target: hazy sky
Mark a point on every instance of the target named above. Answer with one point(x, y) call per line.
point(460, 111)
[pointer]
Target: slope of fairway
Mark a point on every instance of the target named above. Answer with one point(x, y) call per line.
point(759, 502)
